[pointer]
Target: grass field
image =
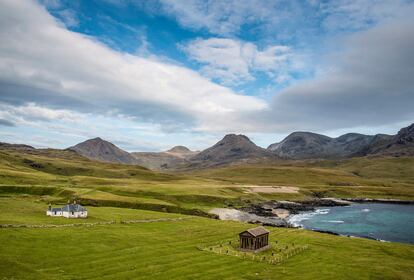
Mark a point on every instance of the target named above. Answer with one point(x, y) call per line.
point(351, 178)
point(61, 175)
point(168, 249)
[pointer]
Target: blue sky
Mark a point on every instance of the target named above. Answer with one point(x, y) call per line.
point(148, 75)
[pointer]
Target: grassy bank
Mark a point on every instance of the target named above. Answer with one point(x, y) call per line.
point(168, 249)
point(62, 175)
point(358, 177)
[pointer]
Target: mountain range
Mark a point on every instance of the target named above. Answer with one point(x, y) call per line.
point(307, 145)
point(239, 148)
point(176, 156)
point(99, 149)
point(232, 148)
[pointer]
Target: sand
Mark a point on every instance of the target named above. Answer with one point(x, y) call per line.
point(281, 213)
point(273, 189)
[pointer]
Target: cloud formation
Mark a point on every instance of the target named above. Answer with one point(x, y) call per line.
point(61, 82)
point(287, 17)
point(233, 61)
point(370, 83)
point(39, 56)
point(221, 17)
point(6, 123)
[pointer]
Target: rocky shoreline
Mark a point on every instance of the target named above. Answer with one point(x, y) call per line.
point(379, 200)
point(277, 213)
point(274, 213)
point(270, 208)
point(281, 210)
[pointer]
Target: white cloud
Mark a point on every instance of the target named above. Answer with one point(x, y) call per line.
point(367, 84)
point(219, 17)
point(40, 61)
point(68, 17)
point(65, 127)
point(52, 4)
point(234, 62)
point(35, 116)
point(276, 18)
point(360, 14)
point(56, 78)
point(31, 111)
point(283, 18)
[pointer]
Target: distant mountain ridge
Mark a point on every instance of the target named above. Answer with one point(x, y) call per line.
point(300, 145)
point(232, 148)
point(15, 146)
point(308, 145)
point(102, 150)
point(239, 148)
point(401, 144)
point(182, 152)
point(172, 158)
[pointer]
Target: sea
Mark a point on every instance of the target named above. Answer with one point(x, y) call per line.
point(380, 221)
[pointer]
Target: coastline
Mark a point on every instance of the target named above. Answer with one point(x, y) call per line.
point(279, 213)
point(379, 200)
point(279, 208)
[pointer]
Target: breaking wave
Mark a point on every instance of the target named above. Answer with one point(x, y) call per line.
point(296, 219)
point(335, 222)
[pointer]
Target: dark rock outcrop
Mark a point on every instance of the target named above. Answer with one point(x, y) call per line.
point(158, 161)
point(15, 146)
point(307, 145)
point(299, 145)
point(177, 156)
point(232, 148)
point(101, 150)
point(401, 144)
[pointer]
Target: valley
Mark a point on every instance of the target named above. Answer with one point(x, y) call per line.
point(169, 249)
point(151, 222)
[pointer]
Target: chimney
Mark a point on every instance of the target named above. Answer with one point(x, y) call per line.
point(74, 202)
point(50, 207)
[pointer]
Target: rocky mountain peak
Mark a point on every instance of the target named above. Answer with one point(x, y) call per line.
point(97, 139)
point(179, 149)
point(405, 135)
point(231, 148)
point(300, 145)
point(102, 150)
point(235, 139)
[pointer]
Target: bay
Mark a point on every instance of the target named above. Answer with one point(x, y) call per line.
point(389, 222)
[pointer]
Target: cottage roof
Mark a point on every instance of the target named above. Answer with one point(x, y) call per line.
point(56, 209)
point(73, 208)
point(257, 231)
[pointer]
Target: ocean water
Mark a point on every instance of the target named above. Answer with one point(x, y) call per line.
point(389, 222)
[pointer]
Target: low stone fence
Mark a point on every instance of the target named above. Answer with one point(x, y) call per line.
point(278, 252)
point(155, 220)
point(56, 226)
point(94, 224)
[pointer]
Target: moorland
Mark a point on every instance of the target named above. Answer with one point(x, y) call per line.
point(166, 247)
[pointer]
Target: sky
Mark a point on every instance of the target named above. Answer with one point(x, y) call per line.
point(149, 75)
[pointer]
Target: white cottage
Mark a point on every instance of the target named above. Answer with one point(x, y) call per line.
point(68, 211)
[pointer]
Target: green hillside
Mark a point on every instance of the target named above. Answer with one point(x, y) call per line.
point(61, 175)
point(169, 248)
point(376, 177)
point(170, 245)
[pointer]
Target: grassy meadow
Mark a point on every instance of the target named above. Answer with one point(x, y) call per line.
point(169, 249)
point(61, 175)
